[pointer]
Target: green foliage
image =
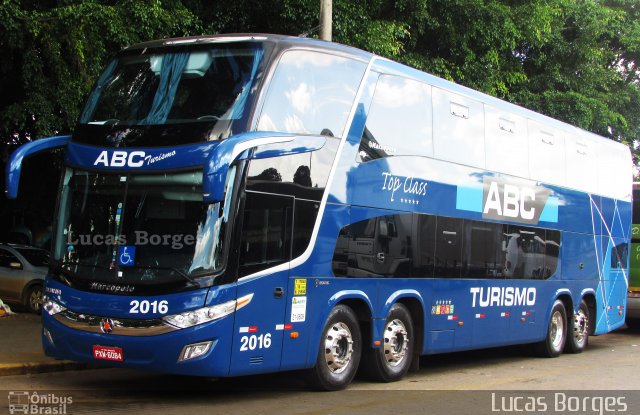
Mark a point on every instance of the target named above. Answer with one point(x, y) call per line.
point(53, 52)
point(576, 60)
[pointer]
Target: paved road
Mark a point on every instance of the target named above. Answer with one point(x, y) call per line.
point(480, 382)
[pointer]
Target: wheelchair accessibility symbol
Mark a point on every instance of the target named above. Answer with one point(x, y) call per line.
point(127, 256)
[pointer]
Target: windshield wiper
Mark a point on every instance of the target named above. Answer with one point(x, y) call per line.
point(61, 264)
point(176, 270)
point(60, 267)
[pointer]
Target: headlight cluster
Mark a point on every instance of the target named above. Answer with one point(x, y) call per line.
point(206, 314)
point(201, 315)
point(52, 307)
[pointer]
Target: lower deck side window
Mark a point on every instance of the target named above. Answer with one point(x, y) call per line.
point(428, 246)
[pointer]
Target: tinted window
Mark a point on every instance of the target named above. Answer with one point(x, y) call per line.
point(300, 180)
point(483, 253)
point(424, 254)
point(6, 258)
point(399, 120)
point(533, 252)
point(530, 253)
point(426, 246)
point(169, 86)
point(311, 93)
point(266, 232)
point(619, 256)
point(552, 251)
point(376, 247)
point(304, 218)
point(448, 247)
point(35, 257)
point(301, 175)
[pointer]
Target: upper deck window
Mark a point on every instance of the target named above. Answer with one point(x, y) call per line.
point(399, 120)
point(311, 93)
point(174, 86)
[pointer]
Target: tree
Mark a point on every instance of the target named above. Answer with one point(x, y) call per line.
point(582, 68)
point(54, 50)
point(572, 60)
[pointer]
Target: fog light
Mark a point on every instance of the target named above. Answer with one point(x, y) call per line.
point(192, 351)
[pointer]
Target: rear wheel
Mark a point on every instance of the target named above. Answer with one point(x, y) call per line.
point(578, 338)
point(554, 342)
point(339, 351)
point(392, 360)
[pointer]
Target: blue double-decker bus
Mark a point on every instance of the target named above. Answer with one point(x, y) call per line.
point(243, 204)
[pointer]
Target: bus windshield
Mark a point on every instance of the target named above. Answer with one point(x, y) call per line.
point(174, 86)
point(139, 229)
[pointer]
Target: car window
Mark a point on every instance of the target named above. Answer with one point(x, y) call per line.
point(6, 258)
point(36, 257)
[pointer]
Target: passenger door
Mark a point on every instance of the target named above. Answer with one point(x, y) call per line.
point(265, 244)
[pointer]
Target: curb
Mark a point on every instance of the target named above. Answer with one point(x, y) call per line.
point(14, 369)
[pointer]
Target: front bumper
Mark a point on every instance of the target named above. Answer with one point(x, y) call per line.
point(160, 353)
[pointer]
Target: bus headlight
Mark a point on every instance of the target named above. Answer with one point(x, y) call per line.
point(207, 314)
point(52, 307)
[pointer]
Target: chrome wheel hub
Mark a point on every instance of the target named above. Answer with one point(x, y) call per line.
point(580, 327)
point(338, 348)
point(557, 330)
point(396, 342)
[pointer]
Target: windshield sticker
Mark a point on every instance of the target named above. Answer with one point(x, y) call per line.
point(127, 256)
point(443, 307)
point(298, 309)
point(300, 287)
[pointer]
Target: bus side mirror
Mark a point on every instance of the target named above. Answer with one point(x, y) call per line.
point(14, 164)
point(250, 146)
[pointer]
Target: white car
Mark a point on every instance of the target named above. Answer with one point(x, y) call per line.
point(22, 272)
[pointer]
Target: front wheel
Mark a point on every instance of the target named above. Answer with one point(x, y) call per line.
point(578, 338)
point(392, 360)
point(554, 342)
point(339, 352)
point(34, 299)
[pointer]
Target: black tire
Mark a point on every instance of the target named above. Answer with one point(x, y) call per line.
point(33, 299)
point(579, 328)
point(339, 351)
point(392, 360)
point(556, 337)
